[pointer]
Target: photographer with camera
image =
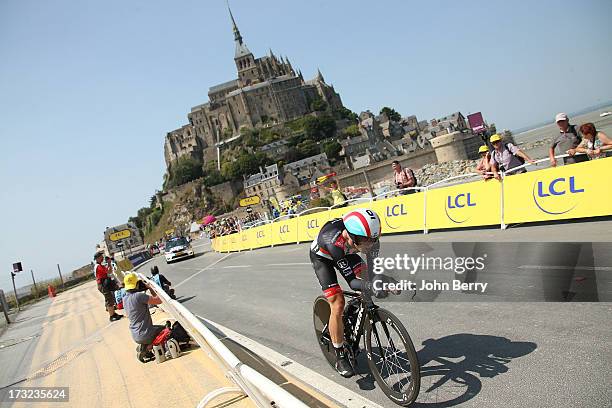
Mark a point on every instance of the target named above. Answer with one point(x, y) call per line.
point(403, 178)
point(136, 303)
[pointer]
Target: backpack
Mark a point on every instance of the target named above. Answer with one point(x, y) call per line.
point(179, 333)
point(515, 161)
point(411, 173)
point(518, 157)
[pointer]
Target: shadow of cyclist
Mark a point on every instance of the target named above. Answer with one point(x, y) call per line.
point(452, 367)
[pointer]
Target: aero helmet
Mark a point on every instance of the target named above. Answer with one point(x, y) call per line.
point(362, 222)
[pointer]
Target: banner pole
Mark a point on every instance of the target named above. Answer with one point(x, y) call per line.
point(502, 224)
point(15, 291)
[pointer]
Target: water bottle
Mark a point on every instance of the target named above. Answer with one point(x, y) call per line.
point(160, 356)
point(174, 348)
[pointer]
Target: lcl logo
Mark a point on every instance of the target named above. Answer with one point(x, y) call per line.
point(283, 229)
point(546, 195)
point(393, 211)
point(457, 202)
point(312, 227)
point(260, 234)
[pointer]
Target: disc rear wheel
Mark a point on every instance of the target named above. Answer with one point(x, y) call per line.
point(321, 312)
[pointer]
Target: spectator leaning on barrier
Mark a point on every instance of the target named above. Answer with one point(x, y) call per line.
point(595, 144)
point(506, 156)
point(162, 281)
point(484, 166)
point(106, 286)
point(403, 178)
point(136, 303)
point(567, 139)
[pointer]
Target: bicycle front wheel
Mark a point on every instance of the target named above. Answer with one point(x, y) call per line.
point(392, 357)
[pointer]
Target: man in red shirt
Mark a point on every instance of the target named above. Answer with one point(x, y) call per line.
point(102, 275)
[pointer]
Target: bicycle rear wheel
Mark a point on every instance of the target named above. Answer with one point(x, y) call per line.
point(320, 314)
point(392, 357)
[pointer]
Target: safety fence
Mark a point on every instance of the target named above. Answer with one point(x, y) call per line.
point(574, 191)
point(261, 390)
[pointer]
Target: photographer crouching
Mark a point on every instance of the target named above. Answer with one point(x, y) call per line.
point(136, 304)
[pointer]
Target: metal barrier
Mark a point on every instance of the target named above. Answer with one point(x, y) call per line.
point(424, 190)
point(262, 391)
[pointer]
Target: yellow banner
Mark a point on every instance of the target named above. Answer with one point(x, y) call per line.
point(252, 200)
point(284, 232)
point(573, 191)
point(400, 214)
point(123, 234)
point(263, 236)
point(464, 205)
point(310, 224)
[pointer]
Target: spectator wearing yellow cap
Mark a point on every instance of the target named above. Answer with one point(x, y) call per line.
point(506, 156)
point(484, 166)
point(136, 304)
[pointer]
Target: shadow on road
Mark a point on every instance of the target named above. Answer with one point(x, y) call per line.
point(452, 367)
point(182, 299)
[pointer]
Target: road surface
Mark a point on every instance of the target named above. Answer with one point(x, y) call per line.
point(472, 353)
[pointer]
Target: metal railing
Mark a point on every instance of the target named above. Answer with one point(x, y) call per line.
point(424, 190)
point(261, 390)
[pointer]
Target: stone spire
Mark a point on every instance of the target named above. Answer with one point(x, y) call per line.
point(320, 76)
point(241, 48)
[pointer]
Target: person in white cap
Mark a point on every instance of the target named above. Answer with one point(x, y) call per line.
point(568, 139)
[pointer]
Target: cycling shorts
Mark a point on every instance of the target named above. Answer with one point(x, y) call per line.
point(326, 273)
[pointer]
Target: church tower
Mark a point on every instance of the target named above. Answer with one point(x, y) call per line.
point(248, 71)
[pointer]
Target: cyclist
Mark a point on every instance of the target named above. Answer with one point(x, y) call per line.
point(336, 247)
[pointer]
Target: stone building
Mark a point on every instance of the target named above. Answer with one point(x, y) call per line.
point(370, 146)
point(268, 90)
point(262, 184)
point(306, 169)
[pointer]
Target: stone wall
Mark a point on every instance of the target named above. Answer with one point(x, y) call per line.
point(382, 170)
point(227, 191)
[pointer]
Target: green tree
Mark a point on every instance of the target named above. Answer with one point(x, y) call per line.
point(308, 148)
point(391, 114)
point(345, 113)
point(213, 178)
point(252, 138)
point(184, 170)
point(351, 131)
point(319, 128)
point(332, 149)
point(318, 105)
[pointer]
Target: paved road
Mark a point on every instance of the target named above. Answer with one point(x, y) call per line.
point(476, 353)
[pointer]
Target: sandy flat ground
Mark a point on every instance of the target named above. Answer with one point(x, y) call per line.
point(69, 342)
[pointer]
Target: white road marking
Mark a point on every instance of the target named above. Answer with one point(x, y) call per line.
point(201, 270)
point(335, 391)
point(201, 245)
point(567, 268)
point(289, 264)
point(236, 266)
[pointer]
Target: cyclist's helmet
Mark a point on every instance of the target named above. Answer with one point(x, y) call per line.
point(363, 225)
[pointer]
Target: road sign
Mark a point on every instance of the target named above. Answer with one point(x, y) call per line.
point(123, 234)
point(252, 200)
point(17, 267)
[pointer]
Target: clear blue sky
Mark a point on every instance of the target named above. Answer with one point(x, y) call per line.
point(88, 89)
